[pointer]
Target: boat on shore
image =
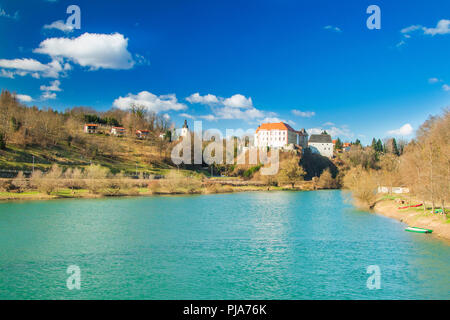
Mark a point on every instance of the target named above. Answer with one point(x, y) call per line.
point(418, 230)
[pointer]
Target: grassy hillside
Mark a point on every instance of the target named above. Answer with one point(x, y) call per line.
point(128, 155)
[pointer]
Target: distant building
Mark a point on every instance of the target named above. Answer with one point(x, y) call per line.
point(118, 131)
point(302, 138)
point(321, 144)
point(184, 130)
point(279, 135)
point(142, 134)
point(90, 128)
point(346, 146)
point(180, 133)
point(396, 190)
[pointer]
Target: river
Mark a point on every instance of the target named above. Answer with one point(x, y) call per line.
point(262, 245)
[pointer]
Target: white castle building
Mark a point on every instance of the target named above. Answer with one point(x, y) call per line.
point(279, 135)
point(322, 144)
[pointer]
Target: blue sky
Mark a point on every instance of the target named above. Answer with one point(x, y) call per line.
point(235, 64)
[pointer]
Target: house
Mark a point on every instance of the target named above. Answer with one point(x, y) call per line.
point(346, 146)
point(396, 190)
point(90, 128)
point(142, 134)
point(321, 144)
point(279, 135)
point(118, 131)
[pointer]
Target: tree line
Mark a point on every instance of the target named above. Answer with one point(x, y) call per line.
point(422, 165)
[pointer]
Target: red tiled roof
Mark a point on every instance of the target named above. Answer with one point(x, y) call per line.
point(91, 125)
point(275, 126)
point(143, 131)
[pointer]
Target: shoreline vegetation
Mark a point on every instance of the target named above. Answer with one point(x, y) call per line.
point(96, 182)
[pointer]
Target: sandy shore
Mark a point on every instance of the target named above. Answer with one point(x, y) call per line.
point(416, 217)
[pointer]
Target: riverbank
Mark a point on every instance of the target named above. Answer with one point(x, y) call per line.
point(144, 192)
point(415, 217)
point(101, 188)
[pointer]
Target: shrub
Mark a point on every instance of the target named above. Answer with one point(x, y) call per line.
point(50, 181)
point(249, 172)
point(96, 177)
point(20, 182)
point(363, 186)
point(326, 180)
point(5, 185)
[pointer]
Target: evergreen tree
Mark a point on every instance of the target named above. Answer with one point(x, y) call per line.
point(394, 147)
point(379, 146)
point(338, 144)
point(357, 142)
point(374, 145)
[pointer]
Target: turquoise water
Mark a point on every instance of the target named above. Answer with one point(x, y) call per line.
point(268, 245)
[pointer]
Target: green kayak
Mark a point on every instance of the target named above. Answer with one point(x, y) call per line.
point(418, 230)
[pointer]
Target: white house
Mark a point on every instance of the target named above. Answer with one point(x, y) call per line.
point(118, 131)
point(322, 144)
point(90, 128)
point(279, 135)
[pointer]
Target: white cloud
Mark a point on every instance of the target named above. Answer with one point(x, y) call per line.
point(400, 44)
point(404, 130)
point(446, 87)
point(6, 74)
point(54, 86)
point(411, 29)
point(49, 92)
point(60, 25)
point(209, 117)
point(185, 115)
point(235, 107)
point(303, 114)
point(24, 98)
point(238, 101)
point(341, 132)
point(4, 14)
point(48, 95)
point(107, 51)
point(237, 113)
point(22, 67)
point(442, 27)
point(332, 28)
point(150, 101)
point(327, 124)
point(208, 99)
point(277, 120)
point(433, 80)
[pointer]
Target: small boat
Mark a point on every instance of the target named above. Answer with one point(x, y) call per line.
point(418, 230)
point(414, 206)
